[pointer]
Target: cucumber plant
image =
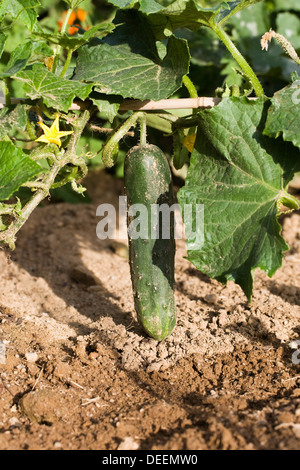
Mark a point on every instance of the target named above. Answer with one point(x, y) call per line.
point(61, 79)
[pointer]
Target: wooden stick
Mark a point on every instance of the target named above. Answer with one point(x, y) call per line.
point(180, 103)
point(148, 105)
point(13, 101)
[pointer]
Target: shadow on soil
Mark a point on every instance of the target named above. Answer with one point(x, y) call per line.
point(56, 269)
point(65, 271)
point(289, 293)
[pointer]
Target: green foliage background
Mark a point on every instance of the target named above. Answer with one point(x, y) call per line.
point(237, 167)
point(211, 64)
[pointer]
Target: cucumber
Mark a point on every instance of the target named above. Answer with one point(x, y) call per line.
point(148, 181)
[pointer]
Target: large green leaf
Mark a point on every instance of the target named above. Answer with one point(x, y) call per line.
point(40, 51)
point(287, 5)
point(16, 168)
point(18, 60)
point(12, 118)
point(3, 38)
point(56, 92)
point(178, 6)
point(108, 105)
point(284, 116)
point(127, 63)
point(168, 15)
point(24, 54)
point(23, 10)
point(183, 13)
point(240, 176)
point(133, 34)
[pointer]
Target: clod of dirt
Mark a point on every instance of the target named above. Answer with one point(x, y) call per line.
point(14, 423)
point(211, 298)
point(128, 444)
point(82, 275)
point(42, 406)
point(31, 356)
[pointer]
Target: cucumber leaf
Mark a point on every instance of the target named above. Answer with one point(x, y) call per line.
point(23, 55)
point(23, 10)
point(283, 116)
point(3, 38)
point(287, 5)
point(16, 168)
point(127, 62)
point(12, 118)
point(18, 60)
point(56, 92)
point(108, 105)
point(167, 15)
point(241, 177)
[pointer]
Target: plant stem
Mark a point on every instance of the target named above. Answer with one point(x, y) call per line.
point(193, 94)
point(143, 130)
point(112, 143)
point(67, 63)
point(190, 86)
point(46, 111)
point(239, 58)
point(9, 236)
point(58, 48)
point(67, 179)
point(185, 122)
point(180, 151)
point(6, 92)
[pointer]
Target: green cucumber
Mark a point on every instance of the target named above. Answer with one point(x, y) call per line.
point(148, 181)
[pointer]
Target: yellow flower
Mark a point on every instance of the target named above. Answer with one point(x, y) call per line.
point(189, 142)
point(52, 134)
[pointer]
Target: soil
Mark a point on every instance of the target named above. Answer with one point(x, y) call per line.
point(80, 374)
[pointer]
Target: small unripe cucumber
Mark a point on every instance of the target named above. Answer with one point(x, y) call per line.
point(148, 181)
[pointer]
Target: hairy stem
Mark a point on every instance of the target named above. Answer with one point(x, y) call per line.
point(193, 94)
point(112, 144)
point(67, 63)
point(58, 47)
point(9, 236)
point(6, 92)
point(67, 179)
point(190, 87)
point(185, 122)
point(247, 69)
point(143, 130)
point(283, 41)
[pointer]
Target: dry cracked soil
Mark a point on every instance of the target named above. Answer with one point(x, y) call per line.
point(79, 374)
